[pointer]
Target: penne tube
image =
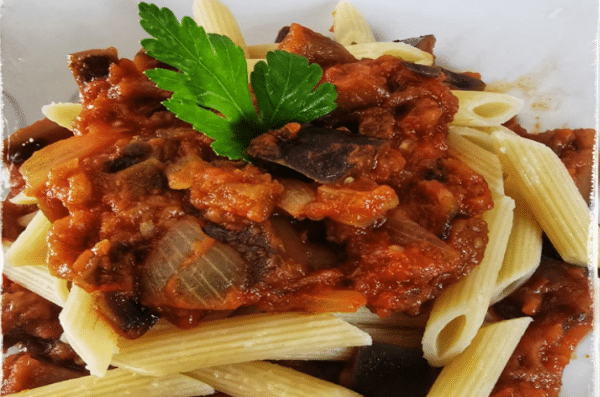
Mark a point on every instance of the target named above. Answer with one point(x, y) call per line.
point(350, 26)
point(251, 63)
point(234, 340)
point(63, 114)
point(479, 159)
point(260, 50)
point(215, 17)
point(263, 379)
point(31, 248)
point(524, 250)
point(550, 193)
point(364, 316)
point(484, 109)
point(37, 278)
point(120, 382)
point(332, 354)
point(399, 50)
point(87, 332)
point(460, 310)
point(475, 372)
point(478, 135)
point(23, 199)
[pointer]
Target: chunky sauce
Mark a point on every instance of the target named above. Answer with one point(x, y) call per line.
point(401, 220)
point(382, 215)
point(559, 299)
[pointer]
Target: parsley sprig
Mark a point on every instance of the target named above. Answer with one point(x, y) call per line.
point(210, 86)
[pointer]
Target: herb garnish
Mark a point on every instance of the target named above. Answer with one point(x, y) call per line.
point(210, 87)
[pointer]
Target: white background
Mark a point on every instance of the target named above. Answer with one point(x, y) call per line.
point(545, 47)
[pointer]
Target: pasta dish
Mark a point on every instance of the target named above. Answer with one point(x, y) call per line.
point(272, 219)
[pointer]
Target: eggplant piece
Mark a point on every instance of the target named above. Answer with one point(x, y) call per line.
point(322, 154)
point(461, 81)
point(124, 311)
point(383, 370)
point(423, 43)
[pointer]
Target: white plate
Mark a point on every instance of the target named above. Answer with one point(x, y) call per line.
point(546, 46)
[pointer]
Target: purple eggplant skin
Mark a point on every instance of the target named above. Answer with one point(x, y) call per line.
point(386, 370)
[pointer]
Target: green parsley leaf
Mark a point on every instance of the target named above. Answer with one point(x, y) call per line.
point(284, 87)
point(210, 86)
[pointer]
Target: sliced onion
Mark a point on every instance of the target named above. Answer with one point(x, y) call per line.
point(405, 231)
point(190, 270)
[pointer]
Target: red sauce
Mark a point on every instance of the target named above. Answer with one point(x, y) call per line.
point(559, 298)
point(144, 171)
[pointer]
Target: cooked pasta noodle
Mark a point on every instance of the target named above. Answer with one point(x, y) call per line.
point(30, 248)
point(398, 50)
point(460, 310)
point(474, 372)
point(350, 26)
point(263, 379)
point(224, 355)
point(119, 382)
point(483, 109)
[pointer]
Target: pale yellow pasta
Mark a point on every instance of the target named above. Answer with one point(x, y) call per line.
point(260, 50)
point(120, 382)
point(31, 248)
point(331, 354)
point(23, 199)
point(37, 278)
point(62, 114)
point(215, 17)
point(92, 338)
point(524, 250)
point(478, 135)
point(479, 159)
point(251, 63)
point(550, 193)
point(484, 109)
point(460, 310)
point(475, 372)
point(399, 50)
point(262, 379)
point(234, 340)
point(350, 26)
point(364, 316)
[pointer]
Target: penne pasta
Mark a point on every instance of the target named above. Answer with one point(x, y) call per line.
point(478, 135)
point(215, 17)
point(365, 317)
point(225, 354)
point(119, 382)
point(260, 50)
point(23, 199)
point(550, 193)
point(479, 159)
point(476, 370)
point(350, 26)
point(62, 114)
point(234, 340)
point(263, 379)
point(398, 50)
point(460, 310)
point(30, 248)
point(524, 248)
point(37, 278)
point(484, 109)
point(87, 332)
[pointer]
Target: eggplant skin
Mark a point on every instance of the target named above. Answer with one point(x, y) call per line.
point(325, 155)
point(384, 370)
